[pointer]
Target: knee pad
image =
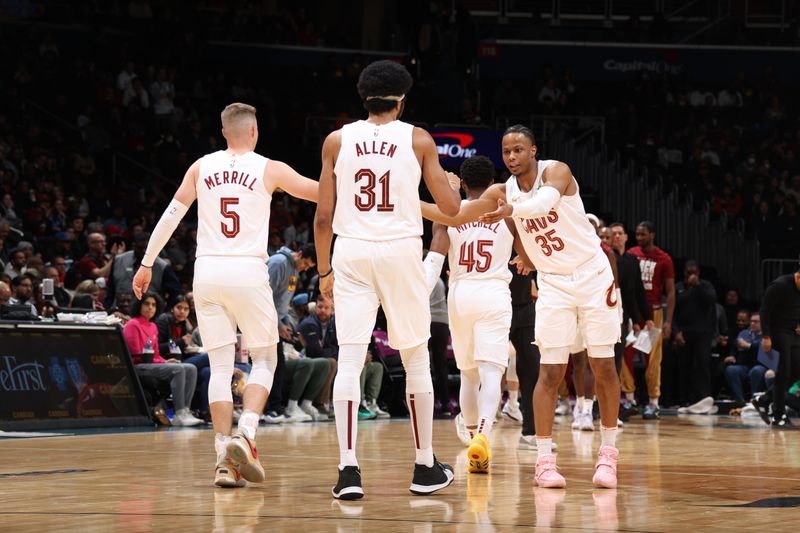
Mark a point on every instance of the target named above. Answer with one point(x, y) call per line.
point(265, 359)
point(601, 351)
point(554, 356)
point(347, 385)
point(490, 372)
point(220, 361)
point(418, 369)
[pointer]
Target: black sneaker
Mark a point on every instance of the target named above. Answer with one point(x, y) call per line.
point(651, 412)
point(781, 421)
point(349, 485)
point(627, 410)
point(428, 480)
point(762, 404)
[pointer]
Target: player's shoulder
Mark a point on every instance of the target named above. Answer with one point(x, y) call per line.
point(555, 167)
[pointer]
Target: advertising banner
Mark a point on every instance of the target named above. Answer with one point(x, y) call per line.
point(69, 375)
point(457, 144)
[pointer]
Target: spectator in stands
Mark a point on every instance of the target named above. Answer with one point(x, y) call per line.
point(299, 310)
point(22, 292)
point(8, 212)
point(318, 335)
point(437, 346)
point(743, 366)
point(303, 379)
point(5, 293)
point(164, 282)
point(284, 267)
point(141, 336)
point(16, 265)
point(162, 92)
point(732, 311)
point(694, 331)
point(90, 288)
point(96, 263)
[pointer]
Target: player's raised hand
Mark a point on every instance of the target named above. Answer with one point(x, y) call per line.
point(141, 281)
point(326, 286)
point(503, 210)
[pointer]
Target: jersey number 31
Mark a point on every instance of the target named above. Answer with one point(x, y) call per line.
point(365, 199)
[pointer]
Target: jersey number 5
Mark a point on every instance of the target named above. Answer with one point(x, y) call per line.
point(229, 230)
point(365, 200)
point(466, 256)
point(550, 243)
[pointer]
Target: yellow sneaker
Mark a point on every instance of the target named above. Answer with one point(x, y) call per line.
point(479, 454)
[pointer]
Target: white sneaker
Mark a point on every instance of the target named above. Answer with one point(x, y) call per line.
point(586, 422)
point(576, 421)
point(702, 407)
point(529, 441)
point(185, 418)
point(620, 423)
point(313, 412)
point(375, 409)
point(461, 430)
point(512, 411)
point(296, 415)
point(562, 408)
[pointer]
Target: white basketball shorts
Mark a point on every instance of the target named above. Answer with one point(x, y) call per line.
point(585, 298)
point(480, 320)
point(230, 292)
point(385, 273)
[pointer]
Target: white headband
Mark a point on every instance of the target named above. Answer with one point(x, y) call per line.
point(394, 98)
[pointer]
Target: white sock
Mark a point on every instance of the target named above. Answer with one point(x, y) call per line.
point(630, 397)
point(489, 395)
point(221, 445)
point(513, 397)
point(472, 430)
point(608, 436)
point(468, 397)
point(654, 401)
point(587, 406)
point(544, 445)
point(291, 404)
point(305, 404)
point(346, 398)
point(419, 395)
point(579, 402)
point(248, 423)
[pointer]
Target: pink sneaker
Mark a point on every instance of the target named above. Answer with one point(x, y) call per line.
point(605, 471)
point(547, 475)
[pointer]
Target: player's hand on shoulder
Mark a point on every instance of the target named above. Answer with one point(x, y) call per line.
point(523, 268)
point(455, 181)
point(503, 210)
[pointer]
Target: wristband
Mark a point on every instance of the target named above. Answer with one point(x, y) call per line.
point(326, 274)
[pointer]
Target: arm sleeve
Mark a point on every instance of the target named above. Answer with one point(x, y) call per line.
point(433, 268)
point(539, 205)
point(163, 231)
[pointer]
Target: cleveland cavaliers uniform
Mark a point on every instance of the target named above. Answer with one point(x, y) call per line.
point(479, 303)
point(231, 281)
point(576, 284)
point(377, 257)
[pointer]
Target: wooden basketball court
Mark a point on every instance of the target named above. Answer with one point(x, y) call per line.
point(678, 474)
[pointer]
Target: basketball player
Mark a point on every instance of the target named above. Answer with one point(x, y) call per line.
point(479, 308)
point(233, 189)
point(576, 289)
point(369, 197)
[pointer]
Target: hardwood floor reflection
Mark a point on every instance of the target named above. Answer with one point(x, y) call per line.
point(677, 474)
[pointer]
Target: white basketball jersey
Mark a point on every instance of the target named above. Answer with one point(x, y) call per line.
point(377, 183)
point(560, 241)
point(480, 251)
point(232, 205)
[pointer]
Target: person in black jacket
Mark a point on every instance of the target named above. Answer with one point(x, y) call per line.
point(695, 311)
point(780, 323)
